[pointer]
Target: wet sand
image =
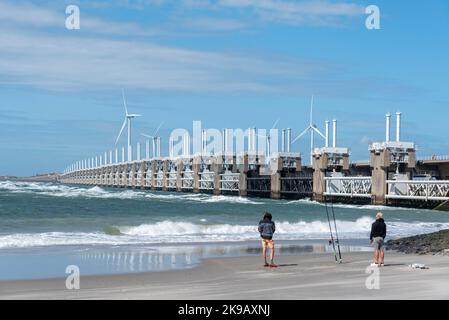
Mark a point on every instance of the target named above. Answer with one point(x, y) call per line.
point(299, 277)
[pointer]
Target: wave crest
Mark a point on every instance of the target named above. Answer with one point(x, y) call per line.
point(59, 190)
point(188, 232)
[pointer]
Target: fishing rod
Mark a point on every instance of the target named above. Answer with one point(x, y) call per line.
point(332, 240)
point(338, 259)
point(331, 232)
point(336, 232)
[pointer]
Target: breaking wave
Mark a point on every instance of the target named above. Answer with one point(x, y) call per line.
point(59, 190)
point(347, 206)
point(187, 232)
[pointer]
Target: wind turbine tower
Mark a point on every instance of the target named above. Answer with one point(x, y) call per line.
point(312, 129)
point(127, 122)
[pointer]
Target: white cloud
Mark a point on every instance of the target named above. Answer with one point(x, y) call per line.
point(68, 62)
point(41, 53)
point(214, 24)
point(27, 15)
point(297, 12)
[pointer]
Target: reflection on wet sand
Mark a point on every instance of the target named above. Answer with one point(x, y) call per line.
point(121, 260)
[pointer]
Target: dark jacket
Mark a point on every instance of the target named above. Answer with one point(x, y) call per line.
point(267, 229)
point(379, 229)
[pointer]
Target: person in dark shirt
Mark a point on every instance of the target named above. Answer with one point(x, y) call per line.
point(378, 235)
point(267, 228)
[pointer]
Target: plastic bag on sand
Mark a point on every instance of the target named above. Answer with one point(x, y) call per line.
point(419, 266)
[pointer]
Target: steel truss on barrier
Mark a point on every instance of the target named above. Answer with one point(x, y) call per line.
point(418, 190)
point(187, 179)
point(148, 177)
point(130, 174)
point(259, 184)
point(207, 180)
point(230, 182)
point(297, 185)
point(354, 187)
point(172, 178)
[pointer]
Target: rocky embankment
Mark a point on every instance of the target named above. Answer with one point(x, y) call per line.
point(433, 243)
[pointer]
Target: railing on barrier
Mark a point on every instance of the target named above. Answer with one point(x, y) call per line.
point(230, 182)
point(187, 180)
point(259, 184)
point(354, 187)
point(207, 180)
point(159, 179)
point(432, 190)
point(297, 185)
point(435, 158)
point(148, 179)
point(172, 179)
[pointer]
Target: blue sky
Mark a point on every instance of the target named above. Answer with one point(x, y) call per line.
point(228, 63)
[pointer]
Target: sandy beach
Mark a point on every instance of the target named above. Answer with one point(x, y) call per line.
point(299, 277)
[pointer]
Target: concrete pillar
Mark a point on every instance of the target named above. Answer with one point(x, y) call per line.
point(276, 169)
point(179, 171)
point(153, 174)
point(243, 177)
point(196, 167)
point(143, 173)
point(380, 162)
point(124, 179)
point(105, 176)
point(133, 176)
point(320, 162)
point(97, 176)
point(217, 168)
point(165, 178)
point(117, 176)
point(101, 176)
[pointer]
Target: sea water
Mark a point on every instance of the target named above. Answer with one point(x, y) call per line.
point(44, 227)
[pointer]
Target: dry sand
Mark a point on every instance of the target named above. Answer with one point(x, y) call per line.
point(299, 277)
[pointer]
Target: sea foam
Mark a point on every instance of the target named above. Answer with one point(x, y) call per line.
point(64, 191)
point(187, 232)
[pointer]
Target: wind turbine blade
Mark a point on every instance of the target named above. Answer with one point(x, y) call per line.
point(121, 131)
point(124, 101)
point(311, 110)
point(319, 132)
point(276, 124)
point(147, 136)
point(158, 128)
point(301, 135)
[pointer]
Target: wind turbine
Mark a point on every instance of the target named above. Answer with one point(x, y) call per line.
point(312, 128)
point(154, 138)
point(127, 122)
point(268, 136)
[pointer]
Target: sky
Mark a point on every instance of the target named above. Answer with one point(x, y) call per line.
point(228, 63)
